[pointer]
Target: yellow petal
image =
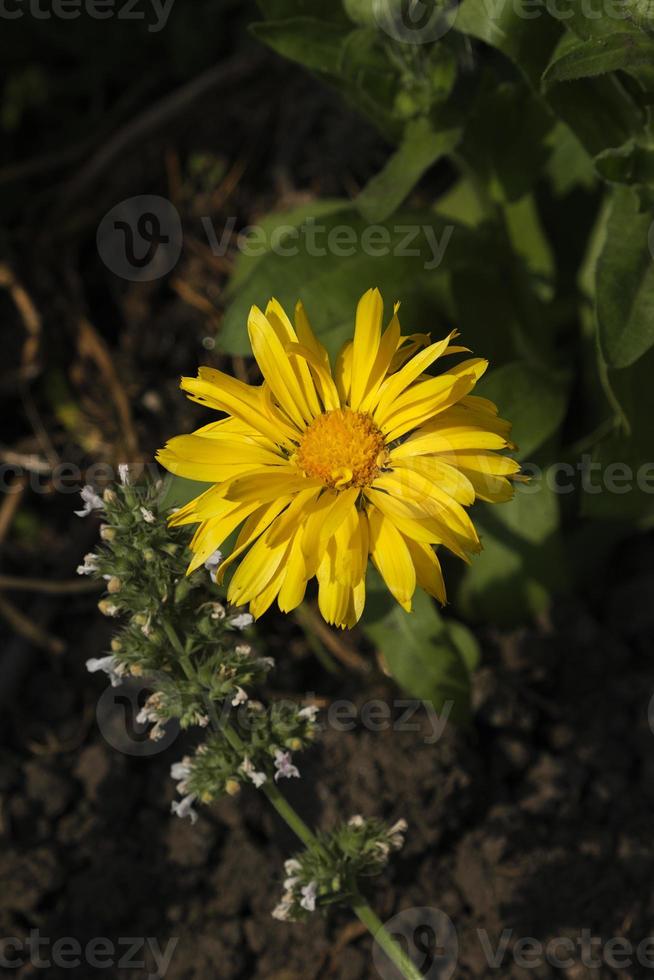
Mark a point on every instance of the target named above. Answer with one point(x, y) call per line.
point(283, 327)
point(343, 372)
point(392, 558)
point(321, 374)
point(422, 402)
point(256, 570)
point(387, 348)
point(450, 479)
point(258, 521)
point(399, 382)
point(367, 335)
point(211, 534)
point(429, 498)
point(428, 569)
point(277, 369)
point(295, 578)
point(265, 599)
point(220, 391)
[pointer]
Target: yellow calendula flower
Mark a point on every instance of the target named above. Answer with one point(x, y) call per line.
point(323, 469)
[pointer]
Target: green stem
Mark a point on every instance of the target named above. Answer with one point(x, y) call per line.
point(293, 819)
point(383, 938)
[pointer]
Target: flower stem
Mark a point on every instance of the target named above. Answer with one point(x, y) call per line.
point(380, 934)
point(293, 819)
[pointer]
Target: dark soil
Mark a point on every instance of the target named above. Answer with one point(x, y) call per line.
point(537, 820)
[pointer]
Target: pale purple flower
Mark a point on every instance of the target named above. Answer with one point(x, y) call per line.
point(148, 516)
point(284, 766)
point(123, 473)
point(241, 621)
point(281, 911)
point(213, 563)
point(258, 778)
point(309, 893)
point(109, 665)
point(181, 770)
point(90, 500)
point(184, 808)
point(89, 566)
point(239, 698)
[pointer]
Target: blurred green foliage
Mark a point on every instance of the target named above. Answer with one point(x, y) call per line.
point(536, 124)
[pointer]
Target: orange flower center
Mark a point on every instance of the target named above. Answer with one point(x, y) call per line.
point(343, 449)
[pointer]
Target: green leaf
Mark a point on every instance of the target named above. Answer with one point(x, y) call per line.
point(535, 402)
point(625, 283)
point(509, 26)
point(597, 56)
point(278, 227)
point(334, 260)
point(177, 491)
point(286, 9)
point(505, 138)
point(632, 163)
point(429, 658)
point(421, 147)
point(316, 44)
point(523, 562)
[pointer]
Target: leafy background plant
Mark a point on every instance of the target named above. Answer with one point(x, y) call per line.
point(531, 133)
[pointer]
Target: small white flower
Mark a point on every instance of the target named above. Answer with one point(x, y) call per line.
point(309, 893)
point(292, 866)
point(309, 712)
point(284, 766)
point(268, 662)
point(356, 821)
point(217, 611)
point(109, 665)
point(281, 911)
point(239, 698)
point(181, 770)
point(258, 778)
point(90, 500)
point(243, 649)
point(123, 473)
point(212, 564)
point(396, 834)
point(184, 808)
point(242, 621)
point(148, 516)
point(89, 566)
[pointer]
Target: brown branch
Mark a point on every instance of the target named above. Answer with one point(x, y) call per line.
point(69, 587)
point(313, 622)
point(28, 629)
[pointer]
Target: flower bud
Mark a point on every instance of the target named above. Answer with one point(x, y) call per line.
point(109, 496)
point(149, 555)
point(107, 533)
point(114, 585)
point(116, 645)
point(108, 608)
point(294, 744)
point(136, 670)
point(233, 787)
point(140, 619)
